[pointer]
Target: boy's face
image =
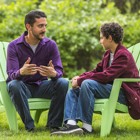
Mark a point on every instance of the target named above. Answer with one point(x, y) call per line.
point(105, 42)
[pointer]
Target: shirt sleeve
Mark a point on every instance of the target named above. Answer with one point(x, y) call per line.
point(116, 69)
point(13, 69)
point(56, 61)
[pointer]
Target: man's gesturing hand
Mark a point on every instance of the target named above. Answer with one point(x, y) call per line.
point(28, 69)
point(48, 71)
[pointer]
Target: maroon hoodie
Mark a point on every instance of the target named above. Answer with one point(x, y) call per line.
point(123, 66)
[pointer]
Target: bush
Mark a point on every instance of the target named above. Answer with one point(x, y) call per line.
point(74, 25)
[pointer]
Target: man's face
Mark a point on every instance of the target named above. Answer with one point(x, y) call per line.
point(104, 41)
point(39, 28)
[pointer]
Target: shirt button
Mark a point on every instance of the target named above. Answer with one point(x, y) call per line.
point(135, 98)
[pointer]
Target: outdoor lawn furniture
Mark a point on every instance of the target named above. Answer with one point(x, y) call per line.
point(37, 104)
point(106, 107)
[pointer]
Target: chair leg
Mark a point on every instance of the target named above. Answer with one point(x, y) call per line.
point(11, 114)
point(9, 108)
point(37, 114)
point(107, 121)
point(114, 123)
point(12, 118)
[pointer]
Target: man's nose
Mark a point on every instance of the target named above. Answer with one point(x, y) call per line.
point(44, 29)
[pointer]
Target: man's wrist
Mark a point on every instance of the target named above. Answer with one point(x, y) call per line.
point(55, 74)
point(21, 72)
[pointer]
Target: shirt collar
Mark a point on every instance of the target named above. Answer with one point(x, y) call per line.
point(21, 39)
point(118, 47)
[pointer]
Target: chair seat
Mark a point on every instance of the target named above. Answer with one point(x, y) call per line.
point(100, 101)
point(39, 103)
point(120, 108)
point(99, 104)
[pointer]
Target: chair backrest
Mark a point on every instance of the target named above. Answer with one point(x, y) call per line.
point(3, 54)
point(135, 50)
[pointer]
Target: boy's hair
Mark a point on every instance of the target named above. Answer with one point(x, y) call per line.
point(113, 29)
point(30, 17)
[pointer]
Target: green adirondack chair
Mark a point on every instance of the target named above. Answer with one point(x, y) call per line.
point(2, 109)
point(1, 106)
point(108, 107)
point(37, 104)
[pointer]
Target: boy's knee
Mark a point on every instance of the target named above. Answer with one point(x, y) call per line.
point(71, 93)
point(85, 83)
point(88, 82)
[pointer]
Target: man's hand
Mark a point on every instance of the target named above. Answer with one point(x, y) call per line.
point(28, 69)
point(48, 71)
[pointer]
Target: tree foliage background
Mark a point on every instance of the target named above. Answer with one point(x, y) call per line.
point(74, 25)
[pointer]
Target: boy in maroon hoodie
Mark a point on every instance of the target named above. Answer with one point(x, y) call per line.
point(117, 62)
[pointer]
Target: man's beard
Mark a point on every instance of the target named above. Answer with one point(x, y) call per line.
point(37, 36)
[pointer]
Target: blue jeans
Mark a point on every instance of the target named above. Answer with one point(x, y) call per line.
point(79, 103)
point(54, 90)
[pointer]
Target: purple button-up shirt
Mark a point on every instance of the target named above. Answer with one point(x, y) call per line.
point(19, 51)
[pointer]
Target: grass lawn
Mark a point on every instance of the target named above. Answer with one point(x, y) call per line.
point(127, 129)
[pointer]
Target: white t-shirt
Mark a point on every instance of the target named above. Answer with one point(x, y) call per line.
point(33, 47)
point(111, 58)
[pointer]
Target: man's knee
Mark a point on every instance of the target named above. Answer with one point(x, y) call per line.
point(14, 85)
point(61, 87)
point(63, 82)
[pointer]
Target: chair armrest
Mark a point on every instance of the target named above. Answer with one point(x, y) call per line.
point(128, 79)
point(3, 86)
point(5, 96)
point(110, 105)
point(2, 83)
point(116, 88)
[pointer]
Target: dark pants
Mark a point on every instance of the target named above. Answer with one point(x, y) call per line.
point(54, 90)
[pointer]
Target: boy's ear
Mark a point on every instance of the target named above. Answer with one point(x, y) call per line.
point(110, 38)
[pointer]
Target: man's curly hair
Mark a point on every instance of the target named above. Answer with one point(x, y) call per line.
point(113, 29)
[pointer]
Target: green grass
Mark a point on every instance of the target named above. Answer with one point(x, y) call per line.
point(127, 129)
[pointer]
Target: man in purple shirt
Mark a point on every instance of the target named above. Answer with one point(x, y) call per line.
point(28, 58)
point(117, 62)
